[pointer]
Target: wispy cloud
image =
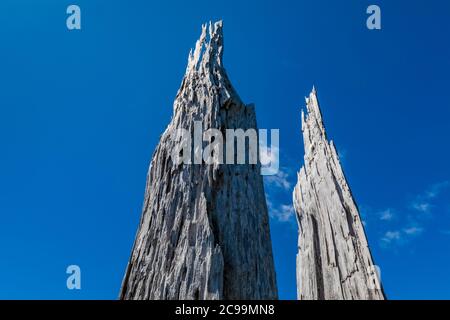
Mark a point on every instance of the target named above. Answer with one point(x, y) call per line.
point(400, 237)
point(372, 215)
point(413, 231)
point(423, 202)
point(282, 212)
point(391, 236)
point(279, 186)
point(423, 207)
point(436, 189)
point(386, 215)
point(280, 180)
point(401, 229)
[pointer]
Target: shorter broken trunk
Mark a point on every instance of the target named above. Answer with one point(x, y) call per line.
point(334, 260)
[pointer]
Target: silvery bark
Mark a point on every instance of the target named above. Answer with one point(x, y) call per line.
point(204, 230)
point(334, 260)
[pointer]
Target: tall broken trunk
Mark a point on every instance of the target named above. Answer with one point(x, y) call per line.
point(204, 230)
point(334, 260)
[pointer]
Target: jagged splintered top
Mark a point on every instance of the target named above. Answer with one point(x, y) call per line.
point(208, 50)
point(205, 67)
point(314, 116)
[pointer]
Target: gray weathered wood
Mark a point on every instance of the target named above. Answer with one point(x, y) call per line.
point(334, 260)
point(204, 230)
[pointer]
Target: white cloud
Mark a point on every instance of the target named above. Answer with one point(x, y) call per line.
point(386, 215)
point(436, 189)
point(422, 202)
point(282, 212)
point(391, 236)
point(277, 184)
point(412, 231)
point(286, 212)
point(280, 180)
point(400, 236)
point(424, 207)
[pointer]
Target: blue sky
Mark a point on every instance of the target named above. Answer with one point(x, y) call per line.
point(82, 111)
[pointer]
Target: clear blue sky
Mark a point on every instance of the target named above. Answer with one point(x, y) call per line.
point(82, 111)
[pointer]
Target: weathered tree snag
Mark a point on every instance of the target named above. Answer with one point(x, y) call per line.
point(334, 260)
point(204, 230)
